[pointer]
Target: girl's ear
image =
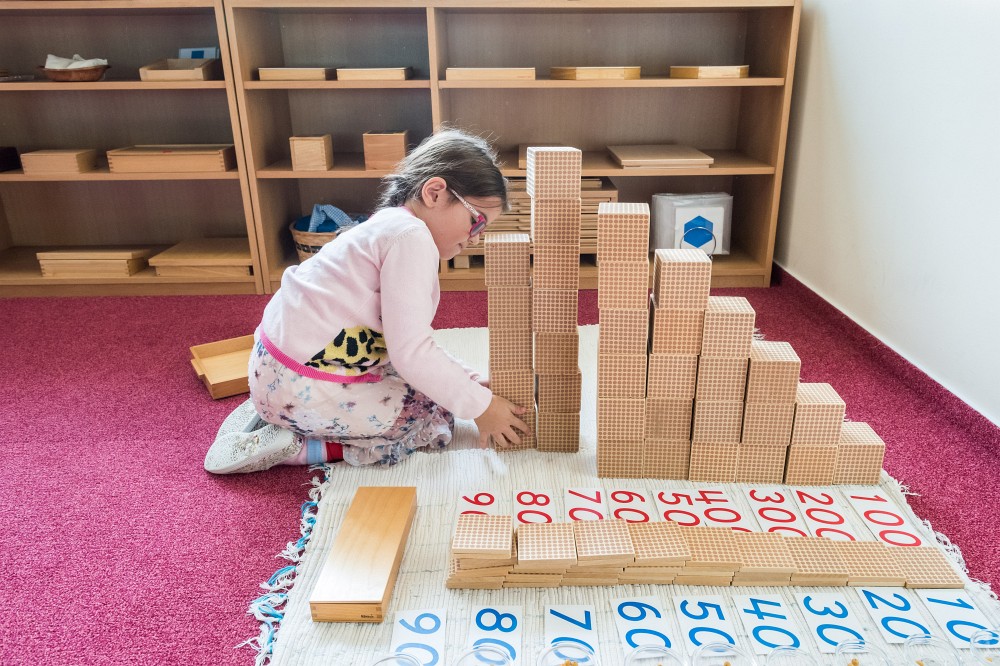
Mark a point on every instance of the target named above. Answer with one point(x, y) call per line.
point(434, 191)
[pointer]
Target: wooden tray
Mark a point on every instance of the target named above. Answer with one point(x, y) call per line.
point(591, 73)
point(182, 69)
point(223, 365)
point(296, 73)
point(205, 257)
point(374, 73)
point(660, 155)
point(490, 74)
point(172, 158)
point(710, 72)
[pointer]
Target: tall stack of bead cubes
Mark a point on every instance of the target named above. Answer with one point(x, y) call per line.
point(553, 183)
point(623, 301)
point(681, 280)
point(508, 285)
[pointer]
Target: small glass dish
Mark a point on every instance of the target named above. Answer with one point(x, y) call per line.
point(567, 654)
point(928, 650)
point(654, 655)
point(985, 646)
point(859, 653)
point(786, 655)
point(721, 654)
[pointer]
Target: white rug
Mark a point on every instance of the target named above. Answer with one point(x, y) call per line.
point(440, 478)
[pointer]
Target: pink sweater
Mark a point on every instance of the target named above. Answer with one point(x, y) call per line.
point(379, 278)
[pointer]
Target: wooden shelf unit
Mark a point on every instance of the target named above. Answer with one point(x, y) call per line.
point(39, 212)
point(741, 122)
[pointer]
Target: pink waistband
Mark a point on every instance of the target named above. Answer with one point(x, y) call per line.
point(314, 373)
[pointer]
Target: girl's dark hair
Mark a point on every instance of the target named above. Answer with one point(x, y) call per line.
point(467, 163)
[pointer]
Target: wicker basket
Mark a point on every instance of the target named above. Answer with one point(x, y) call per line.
point(308, 243)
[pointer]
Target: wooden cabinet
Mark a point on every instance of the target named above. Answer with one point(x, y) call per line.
point(742, 122)
point(101, 207)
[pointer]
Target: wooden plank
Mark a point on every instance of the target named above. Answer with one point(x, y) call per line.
point(359, 573)
point(710, 72)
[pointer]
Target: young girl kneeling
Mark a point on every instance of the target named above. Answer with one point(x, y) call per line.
point(344, 365)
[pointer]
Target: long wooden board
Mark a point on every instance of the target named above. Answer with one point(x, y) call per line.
point(357, 578)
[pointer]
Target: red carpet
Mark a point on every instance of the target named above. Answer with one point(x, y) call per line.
point(118, 548)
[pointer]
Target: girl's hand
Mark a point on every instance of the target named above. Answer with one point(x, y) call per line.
point(500, 423)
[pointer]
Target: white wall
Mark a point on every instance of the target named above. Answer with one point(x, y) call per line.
point(891, 200)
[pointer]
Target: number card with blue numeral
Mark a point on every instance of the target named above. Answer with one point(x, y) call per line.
point(572, 626)
point(642, 621)
point(955, 612)
point(895, 611)
point(768, 621)
point(830, 620)
point(704, 620)
point(498, 627)
point(420, 633)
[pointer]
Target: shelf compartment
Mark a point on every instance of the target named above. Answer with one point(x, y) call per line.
point(102, 174)
point(118, 84)
point(110, 119)
point(330, 36)
point(652, 37)
point(95, 30)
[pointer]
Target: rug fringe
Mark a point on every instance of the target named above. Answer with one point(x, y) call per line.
point(268, 608)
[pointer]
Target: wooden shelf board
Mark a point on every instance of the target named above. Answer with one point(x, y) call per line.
point(336, 85)
point(524, 6)
point(345, 165)
point(102, 173)
point(19, 266)
point(600, 163)
point(644, 82)
point(42, 85)
point(106, 7)
point(597, 163)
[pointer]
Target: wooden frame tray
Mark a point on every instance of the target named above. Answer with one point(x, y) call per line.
point(374, 73)
point(205, 257)
point(296, 73)
point(223, 365)
point(182, 69)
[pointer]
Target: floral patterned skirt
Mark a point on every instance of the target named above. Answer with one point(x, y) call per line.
point(380, 422)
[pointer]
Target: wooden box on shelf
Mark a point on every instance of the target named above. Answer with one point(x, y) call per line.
point(374, 73)
point(182, 69)
point(384, 149)
point(591, 73)
point(296, 73)
point(311, 153)
point(223, 365)
point(205, 257)
point(709, 71)
point(490, 74)
point(172, 158)
point(59, 160)
point(92, 262)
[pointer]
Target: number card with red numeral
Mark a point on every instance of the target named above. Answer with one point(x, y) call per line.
point(884, 518)
point(633, 505)
point(775, 510)
point(497, 627)
point(483, 502)
point(825, 516)
point(643, 621)
point(585, 504)
point(536, 506)
point(955, 612)
point(708, 507)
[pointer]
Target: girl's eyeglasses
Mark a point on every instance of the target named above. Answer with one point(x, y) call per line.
point(478, 219)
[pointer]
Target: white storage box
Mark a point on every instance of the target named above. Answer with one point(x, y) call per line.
point(700, 221)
